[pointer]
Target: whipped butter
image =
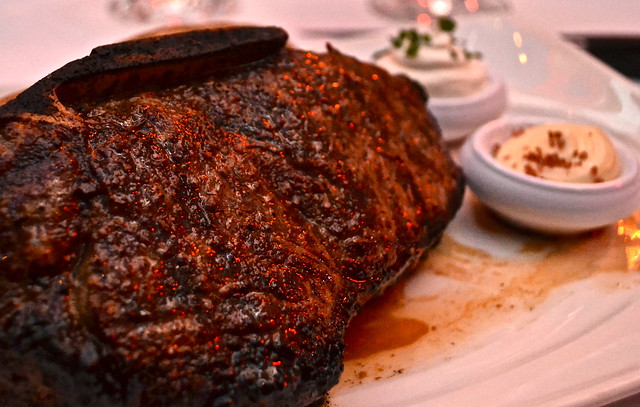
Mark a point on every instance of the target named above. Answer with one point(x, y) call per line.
point(444, 68)
point(562, 152)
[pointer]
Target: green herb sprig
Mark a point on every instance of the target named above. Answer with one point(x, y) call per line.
point(446, 24)
point(416, 40)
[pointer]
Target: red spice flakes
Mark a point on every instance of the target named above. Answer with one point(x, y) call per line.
point(528, 169)
point(556, 139)
point(495, 149)
point(517, 132)
point(594, 174)
point(581, 155)
point(547, 160)
point(553, 160)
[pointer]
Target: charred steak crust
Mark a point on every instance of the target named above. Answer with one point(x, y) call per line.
point(204, 239)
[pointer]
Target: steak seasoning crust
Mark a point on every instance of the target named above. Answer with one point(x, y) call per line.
point(192, 220)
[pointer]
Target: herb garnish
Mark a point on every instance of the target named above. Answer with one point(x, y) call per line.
point(446, 24)
point(416, 40)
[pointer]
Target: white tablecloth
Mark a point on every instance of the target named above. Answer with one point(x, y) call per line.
point(37, 36)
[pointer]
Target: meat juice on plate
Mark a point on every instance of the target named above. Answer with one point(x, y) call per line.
point(462, 291)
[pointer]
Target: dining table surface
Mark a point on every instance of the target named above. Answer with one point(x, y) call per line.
point(39, 36)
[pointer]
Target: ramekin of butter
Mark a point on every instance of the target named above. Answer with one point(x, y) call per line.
point(551, 176)
point(463, 92)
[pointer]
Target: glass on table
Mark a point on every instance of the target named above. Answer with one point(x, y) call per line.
point(169, 11)
point(413, 9)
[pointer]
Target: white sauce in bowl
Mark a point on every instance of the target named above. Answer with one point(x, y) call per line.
point(442, 67)
point(564, 152)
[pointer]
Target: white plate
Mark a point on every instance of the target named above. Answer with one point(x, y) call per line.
point(576, 347)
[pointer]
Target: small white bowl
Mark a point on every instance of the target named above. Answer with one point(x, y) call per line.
point(460, 116)
point(543, 205)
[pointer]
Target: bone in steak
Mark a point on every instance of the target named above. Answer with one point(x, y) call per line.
point(193, 219)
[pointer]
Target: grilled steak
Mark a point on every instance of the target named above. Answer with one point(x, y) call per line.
point(193, 219)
